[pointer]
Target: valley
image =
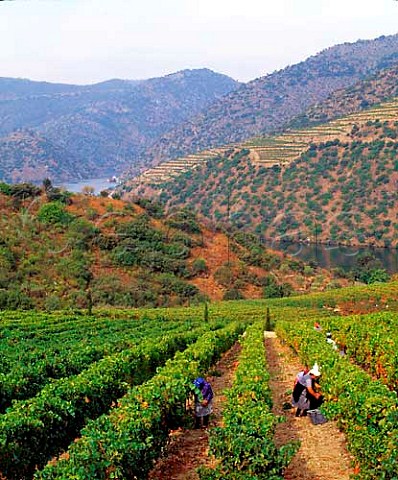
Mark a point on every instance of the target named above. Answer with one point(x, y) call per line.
point(199, 240)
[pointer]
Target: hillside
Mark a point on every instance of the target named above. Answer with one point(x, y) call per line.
point(122, 124)
point(28, 155)
point(364, 94)
point(60, 251)
point(331, 183)
point(103, 126)
point(266, 104)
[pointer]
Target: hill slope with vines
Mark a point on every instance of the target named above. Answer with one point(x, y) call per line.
point(268, 103)
point(332, 183)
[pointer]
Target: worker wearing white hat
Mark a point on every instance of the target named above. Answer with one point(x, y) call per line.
point(305, 396)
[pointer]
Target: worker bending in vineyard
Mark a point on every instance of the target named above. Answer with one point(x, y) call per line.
point(330, 341)
point(203, 402)
point(305, 393)
point(301, 374)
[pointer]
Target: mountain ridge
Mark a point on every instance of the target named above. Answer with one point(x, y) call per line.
point(120, 125)
point(266, 104)
point(363, 94)
point(105, 125)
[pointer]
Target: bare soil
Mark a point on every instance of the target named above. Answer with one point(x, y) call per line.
point(188, 448)
point(323, 454)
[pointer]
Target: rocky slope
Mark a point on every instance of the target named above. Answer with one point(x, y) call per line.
point(364, 94)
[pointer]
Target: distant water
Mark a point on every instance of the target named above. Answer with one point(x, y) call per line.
point(337, 256)
point(98, 184)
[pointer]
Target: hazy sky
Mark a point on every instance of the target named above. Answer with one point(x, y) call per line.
point(85, 41)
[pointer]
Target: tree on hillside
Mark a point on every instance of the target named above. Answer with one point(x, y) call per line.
point(55, 194)
point(88, 190)
point(47, 184)
point(76, 270)
point(368, 269)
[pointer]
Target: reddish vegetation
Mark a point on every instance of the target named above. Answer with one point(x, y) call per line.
point(82, 203)
point(52, 279)
point(215, 252)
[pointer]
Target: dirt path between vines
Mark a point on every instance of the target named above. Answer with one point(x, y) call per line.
point(323, 454)
point(188, 449)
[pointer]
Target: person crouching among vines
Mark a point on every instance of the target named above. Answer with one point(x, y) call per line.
point(203, 402)
point(305, 393)
point(301, 374)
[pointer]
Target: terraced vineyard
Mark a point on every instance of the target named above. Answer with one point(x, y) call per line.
point(172, 168)
point(337, 184)
point(269, 151)
point(283, 149)
point(108, 414)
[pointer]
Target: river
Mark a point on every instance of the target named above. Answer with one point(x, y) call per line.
point(337, 256)
point(325, 256)
point(98, 184)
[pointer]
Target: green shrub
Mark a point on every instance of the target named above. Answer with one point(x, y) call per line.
point(153, 208)
point(25, 190)
point(8, 263)
point(54, 213)
point(58, 195)
point(110, 290)
point(368, 269)
point(185, 221)
point(170, 284)
point(199, 266)
point(14, 300)
point(224, 276)
point(274, 290)
point(182, 238)
point(52, 303)
point(233, 294)
point(81, 234)
point(308, 270)
point(5, 189)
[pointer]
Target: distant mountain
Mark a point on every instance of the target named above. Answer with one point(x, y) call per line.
point(104, 126)
point(336, 182)
point(27, 155)
point(11, 88)
point(268, 103)
point(120, 125)
point(366, 94)
point(115, 84)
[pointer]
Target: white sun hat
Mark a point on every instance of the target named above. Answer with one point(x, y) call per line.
point(315, 370)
